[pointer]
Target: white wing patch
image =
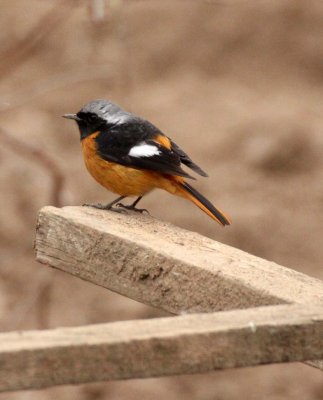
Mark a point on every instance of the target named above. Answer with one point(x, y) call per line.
point(144, 150)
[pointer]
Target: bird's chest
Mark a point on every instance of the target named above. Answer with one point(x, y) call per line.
point(114, 177)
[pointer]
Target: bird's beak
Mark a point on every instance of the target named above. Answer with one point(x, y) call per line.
point(71, 116)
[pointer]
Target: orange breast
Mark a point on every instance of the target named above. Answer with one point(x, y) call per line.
point(117, 178)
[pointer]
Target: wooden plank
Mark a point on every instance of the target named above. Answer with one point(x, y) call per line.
point(167, 346)
point(164, 266)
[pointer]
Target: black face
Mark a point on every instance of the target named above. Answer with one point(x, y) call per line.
point(89, 123)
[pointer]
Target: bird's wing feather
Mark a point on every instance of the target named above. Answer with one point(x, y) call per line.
point(133, 145)
point(160, 159)
point(185, 159)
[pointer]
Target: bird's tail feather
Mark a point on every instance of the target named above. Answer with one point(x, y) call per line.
point(204, 204)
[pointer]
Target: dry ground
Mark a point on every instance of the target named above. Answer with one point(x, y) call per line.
point(238, 84)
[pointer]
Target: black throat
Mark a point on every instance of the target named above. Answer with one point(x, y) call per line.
point(85, 130)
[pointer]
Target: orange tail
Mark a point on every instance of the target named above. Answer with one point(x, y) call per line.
point(187, 191)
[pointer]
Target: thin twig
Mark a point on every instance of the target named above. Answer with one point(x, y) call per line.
point(22, 49)
point(36, 154)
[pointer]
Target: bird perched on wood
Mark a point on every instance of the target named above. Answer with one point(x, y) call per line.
point(130, 156)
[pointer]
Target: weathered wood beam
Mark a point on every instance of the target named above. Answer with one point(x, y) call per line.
point(157, 347)
point(162, 265)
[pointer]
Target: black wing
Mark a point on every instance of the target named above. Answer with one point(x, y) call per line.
point(116, 143)
point(185, 159)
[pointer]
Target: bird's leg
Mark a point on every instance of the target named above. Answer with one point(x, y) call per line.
point(108, 206)
point(132, 206)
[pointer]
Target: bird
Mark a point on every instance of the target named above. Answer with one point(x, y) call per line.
point(130, 156)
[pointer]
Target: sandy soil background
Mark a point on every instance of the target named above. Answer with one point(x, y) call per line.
point(238, 84)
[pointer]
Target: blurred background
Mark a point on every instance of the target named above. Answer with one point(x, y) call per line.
point(237, 84)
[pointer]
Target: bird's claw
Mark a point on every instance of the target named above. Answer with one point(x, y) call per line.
point(131, 208)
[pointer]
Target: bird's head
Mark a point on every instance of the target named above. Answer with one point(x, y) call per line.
point(98, 115)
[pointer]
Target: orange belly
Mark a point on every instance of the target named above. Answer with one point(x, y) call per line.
point(117, 178)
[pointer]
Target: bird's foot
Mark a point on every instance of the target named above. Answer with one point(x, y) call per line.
point(100, 206)
point(132, 208)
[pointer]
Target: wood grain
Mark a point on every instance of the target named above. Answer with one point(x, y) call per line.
point(189, 344)
point(162, 265)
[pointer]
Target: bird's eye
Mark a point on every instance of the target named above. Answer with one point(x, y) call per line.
point(91, 118)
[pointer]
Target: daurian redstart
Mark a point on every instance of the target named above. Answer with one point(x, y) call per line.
point(130, 156)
